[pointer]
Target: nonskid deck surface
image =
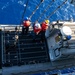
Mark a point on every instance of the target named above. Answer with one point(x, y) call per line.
point(26, 51)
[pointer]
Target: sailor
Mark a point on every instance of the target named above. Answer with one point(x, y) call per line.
point(36, 29)
point(44, 26)
point(26, 24)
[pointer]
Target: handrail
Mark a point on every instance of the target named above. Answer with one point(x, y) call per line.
point(10, 25)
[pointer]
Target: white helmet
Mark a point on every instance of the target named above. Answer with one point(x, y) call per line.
point(37, 25)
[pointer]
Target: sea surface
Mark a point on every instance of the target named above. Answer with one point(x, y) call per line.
point(14, 11)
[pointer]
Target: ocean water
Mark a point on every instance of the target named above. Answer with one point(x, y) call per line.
point(12, 12)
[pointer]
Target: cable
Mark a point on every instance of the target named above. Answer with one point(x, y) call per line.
point(23, 14)
point(36, 8)
point(45, 10)
point(56, 9)
point(71, 1)
point(24, 11)
point(22, 19)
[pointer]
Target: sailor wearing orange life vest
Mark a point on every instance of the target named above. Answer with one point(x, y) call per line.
point(44, 26)
point(26, 24)
point(36, 29)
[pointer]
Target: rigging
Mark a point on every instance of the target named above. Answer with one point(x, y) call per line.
point(36, 8)
point(45, 10)
point(24, 11)
point(57, 9)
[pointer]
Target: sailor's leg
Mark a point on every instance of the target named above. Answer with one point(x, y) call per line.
point(23, 29)
point(42, 36)
point(34, 37)
point(27, 29)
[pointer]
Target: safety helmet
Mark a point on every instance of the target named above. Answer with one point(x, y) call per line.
point(47, 21)
point(26, 18)
point(37, 25)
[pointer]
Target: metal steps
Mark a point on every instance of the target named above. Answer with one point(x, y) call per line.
point(26, 51)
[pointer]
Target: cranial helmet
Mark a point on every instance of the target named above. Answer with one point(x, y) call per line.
point(37, 25)
point(26, 18)
point(47, 21)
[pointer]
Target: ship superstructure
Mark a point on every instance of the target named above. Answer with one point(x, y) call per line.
point(23, 56)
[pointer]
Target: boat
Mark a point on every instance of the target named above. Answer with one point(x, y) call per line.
point(21, 56)
point(27, 57)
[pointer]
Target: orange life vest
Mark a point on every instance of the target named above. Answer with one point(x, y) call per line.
point(37, 28)
point(26, 23)
point(44, 26)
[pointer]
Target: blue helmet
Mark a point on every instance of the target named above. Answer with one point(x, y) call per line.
point(26, 18)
